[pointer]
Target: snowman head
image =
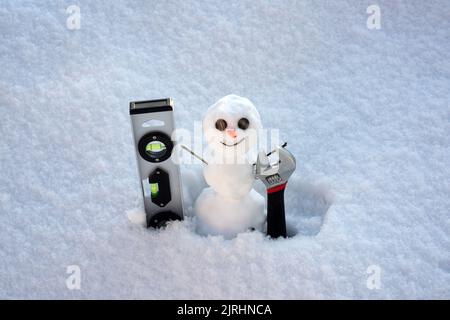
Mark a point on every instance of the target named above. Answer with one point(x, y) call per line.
point(231, 126)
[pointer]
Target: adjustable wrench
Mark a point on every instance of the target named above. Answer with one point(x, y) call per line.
point(275, 177)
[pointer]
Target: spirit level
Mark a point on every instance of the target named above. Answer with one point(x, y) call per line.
point(153, 125)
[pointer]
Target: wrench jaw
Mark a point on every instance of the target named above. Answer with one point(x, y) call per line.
point(274, 175)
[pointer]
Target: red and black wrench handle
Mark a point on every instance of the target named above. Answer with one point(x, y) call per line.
point(276, 220)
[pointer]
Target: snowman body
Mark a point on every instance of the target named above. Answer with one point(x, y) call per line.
point(229, 180)
point(218, 215)
point(230, 205)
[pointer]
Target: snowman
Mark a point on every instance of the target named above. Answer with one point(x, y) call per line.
point(230, 205)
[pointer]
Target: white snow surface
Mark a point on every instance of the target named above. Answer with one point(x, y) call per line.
point(365, 112)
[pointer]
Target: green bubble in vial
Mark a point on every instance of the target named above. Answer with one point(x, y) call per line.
point(155, 146)
point(154, 189)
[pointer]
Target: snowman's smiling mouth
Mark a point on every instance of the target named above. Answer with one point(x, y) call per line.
point(232, 145)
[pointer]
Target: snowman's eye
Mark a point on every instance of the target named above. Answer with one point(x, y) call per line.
point(243, 123)
point(221, 125)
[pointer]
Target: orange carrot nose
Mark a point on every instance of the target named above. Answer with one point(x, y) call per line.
point(232, 133)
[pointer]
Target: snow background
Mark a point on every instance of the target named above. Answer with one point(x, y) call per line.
point(366, 113)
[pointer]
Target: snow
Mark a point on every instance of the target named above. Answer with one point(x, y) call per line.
point(365, 112)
